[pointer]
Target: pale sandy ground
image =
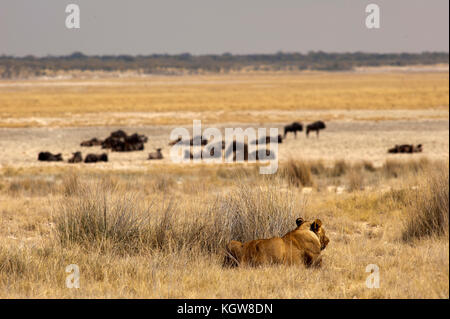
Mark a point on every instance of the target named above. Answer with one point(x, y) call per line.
point(343, 139)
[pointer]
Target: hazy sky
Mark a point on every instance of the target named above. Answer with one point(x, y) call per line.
point(218, 26)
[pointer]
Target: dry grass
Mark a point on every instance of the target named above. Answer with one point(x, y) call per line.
point(215, 98)
point(355, 179)
point(100, 216)
point(298, 173)
point(429, 207)
point(164, 242)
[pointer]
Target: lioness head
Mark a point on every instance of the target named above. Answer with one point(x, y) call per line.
point(316, 227)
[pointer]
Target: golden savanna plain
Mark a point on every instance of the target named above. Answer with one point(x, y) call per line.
point(156, 229)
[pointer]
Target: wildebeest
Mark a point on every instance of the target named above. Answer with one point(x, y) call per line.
point(294, 127)
point(49, 157)
point(237, 148)
point(155, 155)
point(212, 153)
point(119, 141)
point(93, 158)
point(92, 142)
point(266, 140)
point(316, 126)
point(76, 158)
point(406, 148)
point(203, 141)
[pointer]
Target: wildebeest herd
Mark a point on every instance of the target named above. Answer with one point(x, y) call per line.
point(119, 141)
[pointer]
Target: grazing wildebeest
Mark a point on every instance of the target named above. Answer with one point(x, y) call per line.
point(76, 158)
point(94, 158)
point(406, 148)
point(294, 127)
point(92, 142)
point(266, 140)
point(49, 157)
point(119, 141)
point(155, 155)
point(316, 126)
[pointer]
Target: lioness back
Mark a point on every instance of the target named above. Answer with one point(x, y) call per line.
point(302, 245)
point(264, 251)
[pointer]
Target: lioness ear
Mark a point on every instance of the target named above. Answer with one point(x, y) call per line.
point(316, 225)
point(299, 221)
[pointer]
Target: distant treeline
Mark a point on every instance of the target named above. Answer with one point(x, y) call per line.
point(28, 66)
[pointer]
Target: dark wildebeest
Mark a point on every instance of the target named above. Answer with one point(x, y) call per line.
point(294, 127)
point(76, 158)
point(92, 142)
point(136, 138)
point(190, 142)
point(316, 126)
point(155, 155)
point(237, 148)
point(212, 154)
point(49, 157)
point(266, 140)
point(406, 148)
point(94, 158)
point(119, 141)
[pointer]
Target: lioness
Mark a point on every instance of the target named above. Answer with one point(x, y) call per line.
point(302, 245)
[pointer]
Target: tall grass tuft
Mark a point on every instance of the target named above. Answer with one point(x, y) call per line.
point(98, 214)
point(340, 168)
point(12, 262)
point(251, 213)
point(429, 206)
point(396, 168)
point(355, 179)
point(298, 173)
